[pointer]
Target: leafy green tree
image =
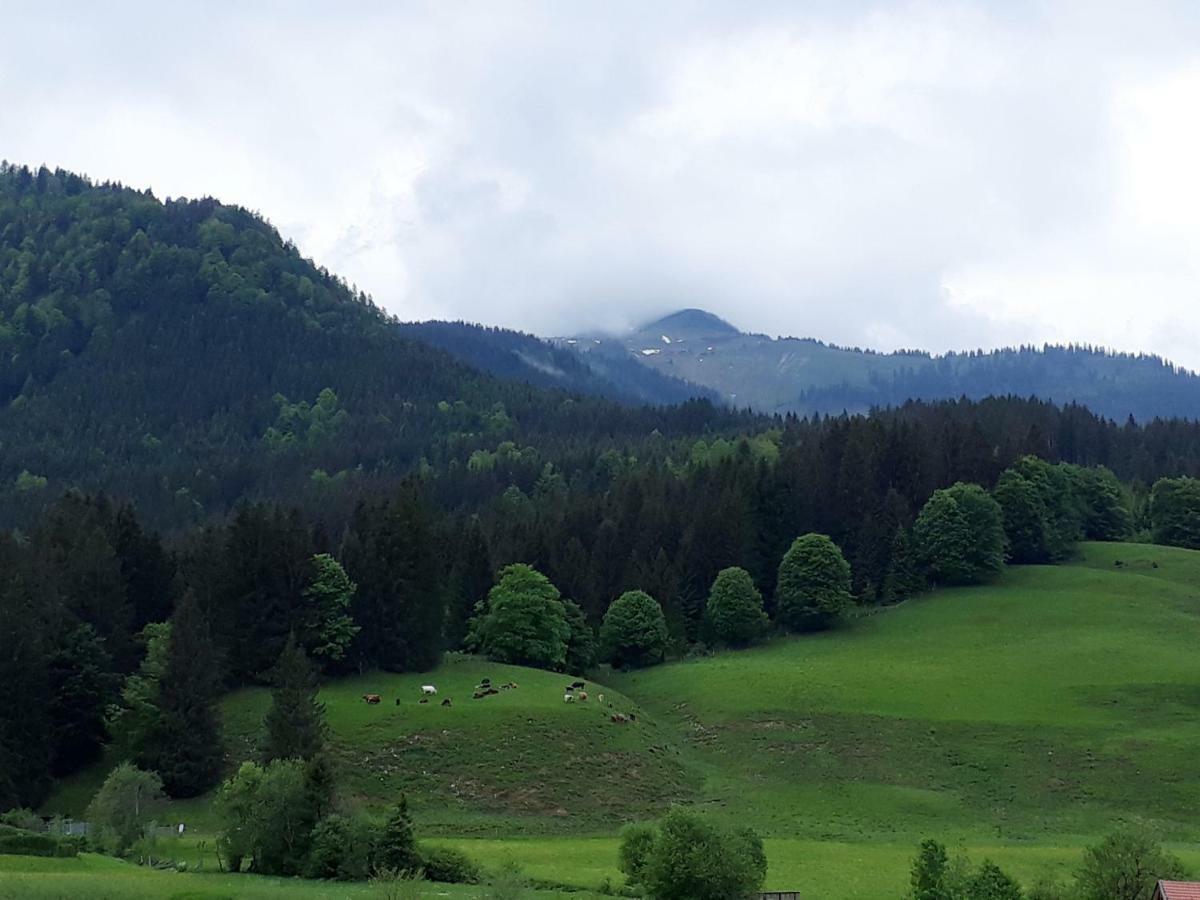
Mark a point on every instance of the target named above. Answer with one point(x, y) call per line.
point(1042, 510)
point(1125, 866)
point(581, 645)
point(128, 801)
point(1106, 513)
point(990, 882)
point(959, 535)
point(132, 721)
point(637, 846)
point(1024, 518)
point(1175, 512)
point(397, 845)
point(930, 878)
point(524, 621)
point(813, 587)
point(734, 612)
point(343, 848)
point(186, 744)
point(692, 859)
point(634, 631)
point(294, 726)
point(327, 628)
point(267, 818)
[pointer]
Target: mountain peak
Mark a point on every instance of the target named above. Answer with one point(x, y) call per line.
point(689, 324)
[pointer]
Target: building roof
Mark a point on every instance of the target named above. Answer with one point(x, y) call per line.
point(1179, 890)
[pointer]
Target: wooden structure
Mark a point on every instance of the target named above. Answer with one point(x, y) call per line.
point(1177, 890)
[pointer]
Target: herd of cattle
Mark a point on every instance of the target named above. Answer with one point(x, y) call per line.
point(575, 691)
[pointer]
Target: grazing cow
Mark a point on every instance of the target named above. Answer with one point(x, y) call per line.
point(505, 687)
point(397, 701)
point(568, 697)
point(619, 718)
point(632, 717)
point(600, 699)
point(371, 698)
point(485, 681)
point(428, 689)
point(446, 702)
point(489, 690)
point(513, 685)
point(478, 695)
point(579, 684)
point(423, 700)
point(568, 688)
point(583, 696)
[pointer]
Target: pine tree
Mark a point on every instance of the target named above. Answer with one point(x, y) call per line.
point(397, 848)
point(186, 745)
point(294, 727)
point(470, 579)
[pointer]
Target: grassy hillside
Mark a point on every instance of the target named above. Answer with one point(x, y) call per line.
point(1020, 721)
point(1057, 702)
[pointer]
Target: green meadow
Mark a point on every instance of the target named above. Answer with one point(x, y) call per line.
point(1018, 721)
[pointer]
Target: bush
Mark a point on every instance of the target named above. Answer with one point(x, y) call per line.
point(449, 865)
point(25, 819)
point(634, 631)
point(342, 848)
point(33, 843)
point(688, 858)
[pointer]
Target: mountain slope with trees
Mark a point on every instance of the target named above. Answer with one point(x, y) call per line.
point(806, 376)
point(184, 355)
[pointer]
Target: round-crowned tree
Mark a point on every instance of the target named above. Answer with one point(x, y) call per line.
point(634, 631)
point(959, 535)
point(813, 590)
point(734, 612)
point(524, 621)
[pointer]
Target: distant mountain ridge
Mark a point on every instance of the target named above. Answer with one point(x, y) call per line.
point(807, 376)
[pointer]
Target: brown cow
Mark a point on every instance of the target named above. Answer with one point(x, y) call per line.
point(371, 698)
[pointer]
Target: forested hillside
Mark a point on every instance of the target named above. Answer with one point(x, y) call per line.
point(808, 376)
point(523, 357)
point(183, 355)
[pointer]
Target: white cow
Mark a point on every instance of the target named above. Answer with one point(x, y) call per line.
point(428, 689)
point(568, 698)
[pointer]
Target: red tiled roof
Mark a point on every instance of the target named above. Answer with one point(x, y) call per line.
point(1179, 890)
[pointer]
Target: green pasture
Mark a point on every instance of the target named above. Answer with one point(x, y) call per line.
point(1020, 721)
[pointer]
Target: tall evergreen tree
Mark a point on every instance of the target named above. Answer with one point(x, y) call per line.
point(186, 745)
point(294, 726)
point(470, 579)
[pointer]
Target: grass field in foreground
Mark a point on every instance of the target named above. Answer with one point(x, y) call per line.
point(1020, 720)
point(92, 877)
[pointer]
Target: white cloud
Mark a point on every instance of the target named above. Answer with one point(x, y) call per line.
point(891, 174)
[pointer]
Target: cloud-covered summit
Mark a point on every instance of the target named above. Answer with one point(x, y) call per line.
point(890, 174)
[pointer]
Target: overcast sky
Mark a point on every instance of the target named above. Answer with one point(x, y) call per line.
point(936, 175)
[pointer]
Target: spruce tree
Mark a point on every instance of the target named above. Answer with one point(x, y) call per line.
point(397, 847)
point(186, 744)
point(294, 726)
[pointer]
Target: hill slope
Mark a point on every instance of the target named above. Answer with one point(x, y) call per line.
point(523, 357)
point(807, 376)
point(1021, 720)
point(174, 352)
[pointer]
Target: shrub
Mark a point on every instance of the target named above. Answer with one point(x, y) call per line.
point(25, 819)
point(634, 631)
point(342, 848)
point(688, 858)
point(33, 843)
point(449, 865)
